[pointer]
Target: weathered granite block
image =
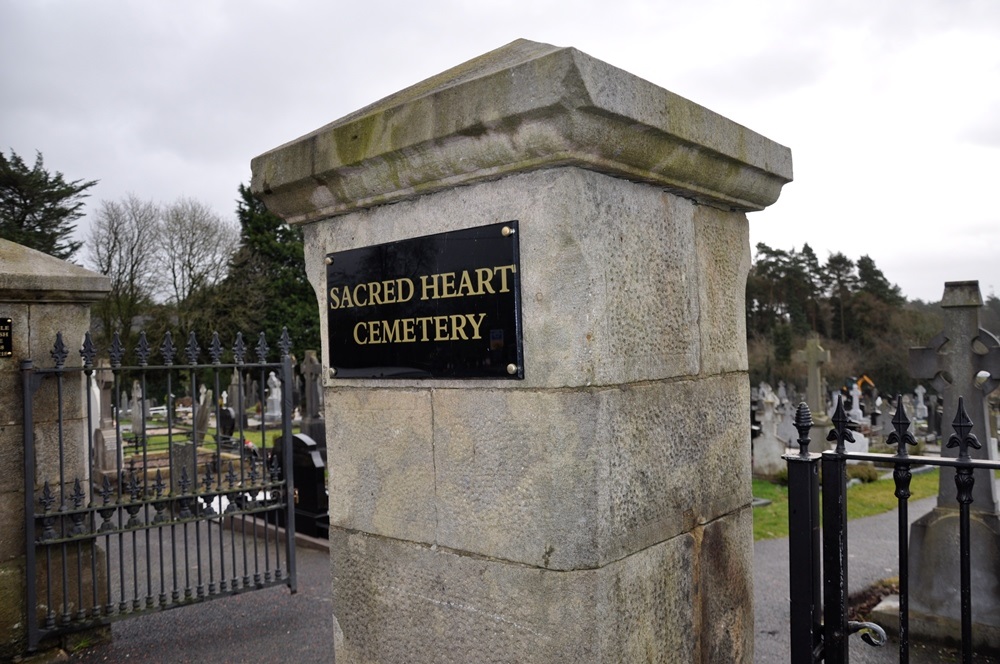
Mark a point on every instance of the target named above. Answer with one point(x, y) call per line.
point(11, 525)
point(577, 479)
point(13, 639)
point(402, 602)
point(611, 297)
point(723, 245)
point(383, 479)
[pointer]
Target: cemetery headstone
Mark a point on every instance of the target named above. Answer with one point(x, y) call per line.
point(785, 415)
point(855, 412)
point(201, 416)
point(312, 505)
point(767, 447)
point(273, 398)
point(920, 412)
point(951, 362)
point(814, 356)
point(238, 398)
point(313, 419)
point(137, 404)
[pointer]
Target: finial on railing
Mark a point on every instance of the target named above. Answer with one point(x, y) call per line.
point(167, 350)
point(59, 352)
point(900, 435)
point(192, 349)
point(962, 437)
point(88, 352)
point(239, 349)
point(840, 431)
point(803, 423)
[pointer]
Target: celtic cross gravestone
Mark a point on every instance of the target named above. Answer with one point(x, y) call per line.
point(962, 361)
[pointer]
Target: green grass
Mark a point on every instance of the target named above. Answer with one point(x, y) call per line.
point(863, 500)
point(160, 442)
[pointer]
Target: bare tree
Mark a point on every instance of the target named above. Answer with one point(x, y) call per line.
point(195, 245)
point(123, 246)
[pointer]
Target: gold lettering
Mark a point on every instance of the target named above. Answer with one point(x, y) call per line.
point(476, 323)
point(389, 288)
point(357, 339)
point(390, 333)
point(465, 285)
point(334, 298)
point(424, 286)
point(503, 269)
point(458, 327)
point(345, 297)
point(408, 326)
point(424, 320)
point(441, 328)
point(447, 284)
point(375, 293)
point(407, 297)
point(357, 300)
point(485, 277)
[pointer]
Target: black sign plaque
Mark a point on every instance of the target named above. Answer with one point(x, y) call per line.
point(6, 337)
point(441, 306)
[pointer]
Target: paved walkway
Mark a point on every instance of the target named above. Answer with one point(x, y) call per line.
point(273, 626)
point(268, 625)
point(872, 556)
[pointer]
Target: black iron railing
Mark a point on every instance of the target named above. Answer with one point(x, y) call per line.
point(150, 530)
point(819, 622)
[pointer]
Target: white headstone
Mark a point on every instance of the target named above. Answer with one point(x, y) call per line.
point(921, 410)
point(767, 447)
point(273, 397)
point(855, 412)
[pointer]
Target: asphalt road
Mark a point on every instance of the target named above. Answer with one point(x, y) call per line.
point(269, 625)
point(273, 625)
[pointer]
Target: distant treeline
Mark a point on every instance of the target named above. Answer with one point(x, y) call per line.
point(862, 318)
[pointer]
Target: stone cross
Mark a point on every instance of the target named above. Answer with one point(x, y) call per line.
point(855, 412)
point(311, 371)
point(814, 356)
point(963, 361)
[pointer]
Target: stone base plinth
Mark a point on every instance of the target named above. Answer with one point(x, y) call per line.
point(935, 575)
point(935, 629)
point(398, 601)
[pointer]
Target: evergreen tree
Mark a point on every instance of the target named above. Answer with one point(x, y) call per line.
point(38, 208)
point(871, 280)
point(267, 279)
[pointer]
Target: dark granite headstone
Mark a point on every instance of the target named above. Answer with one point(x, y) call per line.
point(312, 515)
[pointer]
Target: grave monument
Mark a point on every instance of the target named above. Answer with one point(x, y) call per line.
point(814, 357)
point(961, 361)
point(554, 469)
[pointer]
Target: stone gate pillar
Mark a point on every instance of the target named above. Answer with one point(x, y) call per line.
point(599, 509)
point(39, 297)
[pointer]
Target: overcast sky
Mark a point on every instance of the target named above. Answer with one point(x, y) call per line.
point(891, 107)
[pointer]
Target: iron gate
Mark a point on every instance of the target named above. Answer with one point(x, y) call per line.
point(818, 620)
point(150, 518)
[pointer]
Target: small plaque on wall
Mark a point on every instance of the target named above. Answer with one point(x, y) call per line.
point(6, 337)
point(440, 306)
